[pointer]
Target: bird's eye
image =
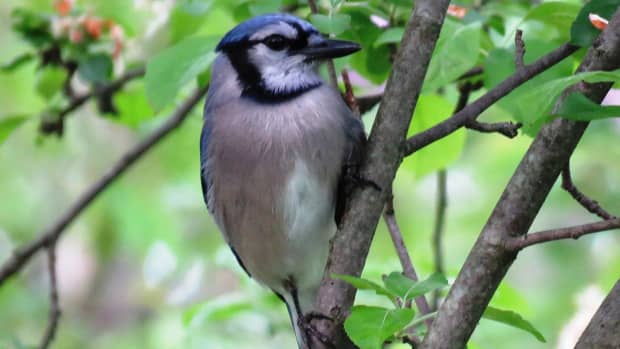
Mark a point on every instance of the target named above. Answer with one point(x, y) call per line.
point(276, 42)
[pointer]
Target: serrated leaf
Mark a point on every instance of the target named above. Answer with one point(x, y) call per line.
point(368, 327)
point(446, 65)
point(390, 36)
point(176, 66)
point(430, 110)
point(513, 319)
point(579, 107)
point(364, 284)
point(335, 24)
point(8, 125)
point(408, 289)
point(582, 32)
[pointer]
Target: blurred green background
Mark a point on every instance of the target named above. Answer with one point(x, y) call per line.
point(145, 267)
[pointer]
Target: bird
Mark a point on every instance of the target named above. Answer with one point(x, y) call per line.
point(279, 153)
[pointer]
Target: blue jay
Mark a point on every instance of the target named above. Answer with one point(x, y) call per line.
point(277, 149)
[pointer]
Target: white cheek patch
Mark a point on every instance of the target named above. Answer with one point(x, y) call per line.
point(280, 28)
point(282, 73)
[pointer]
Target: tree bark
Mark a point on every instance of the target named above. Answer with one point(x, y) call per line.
point(603, 331)
point(383, 156)
point(523, 197)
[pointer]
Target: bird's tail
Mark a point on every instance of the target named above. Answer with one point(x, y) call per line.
point(296, 314)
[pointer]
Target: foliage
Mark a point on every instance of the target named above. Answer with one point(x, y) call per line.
point(57, 53)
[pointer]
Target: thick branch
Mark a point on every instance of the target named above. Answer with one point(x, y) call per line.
point(519, 243)
point(54, 314)
point(603, 332)
point(473, 110)
point(383, 155)
point(49, 236)
point(523, 197)
point(591, 205)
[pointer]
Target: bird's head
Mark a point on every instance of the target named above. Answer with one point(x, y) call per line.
point(276, 55)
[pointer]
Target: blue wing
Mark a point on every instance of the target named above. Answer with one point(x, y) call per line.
point(205, 175)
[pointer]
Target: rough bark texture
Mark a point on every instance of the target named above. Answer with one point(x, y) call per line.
point(489, 260)
point(603, 332)
point(351, 244)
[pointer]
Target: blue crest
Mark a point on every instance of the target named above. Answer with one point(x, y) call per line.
point(244, 30)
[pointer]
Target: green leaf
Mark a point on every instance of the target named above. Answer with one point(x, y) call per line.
point(513, 319)
point(390, 36)
point(266, 6)
point(187, 18)
point(408, 289)
point(582, 32)
point(335, 24)
point(457, 51)
point(554, 14)
point(17, 62)
point(8, 125)
point(536, 104)
point(218, 309)
point(133, 107)
point(96, 69)
point(430, 110)
point(364, 284)
point(49, 81)
point(176, 66)
point(579, 107)
point(368, 327)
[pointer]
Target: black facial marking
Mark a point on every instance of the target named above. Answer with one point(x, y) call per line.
point(249, 75)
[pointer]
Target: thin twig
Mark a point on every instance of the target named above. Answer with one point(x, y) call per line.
point(519, 243)
point(54, 313)
point(110, 88)
point(506, 128)
point(23, 254)
point(440, 216)
point(475, 71)
point(591, 205)
point(350, 97)
point(368, 102)
point(403, 254)
point(519, 49)
point(473, 110)
point(331, 69)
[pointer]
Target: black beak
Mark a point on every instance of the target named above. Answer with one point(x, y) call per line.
point(330, 49)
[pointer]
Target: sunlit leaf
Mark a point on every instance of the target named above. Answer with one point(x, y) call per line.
point(176, 66)
point(431, 110)
point(17, 62)
point(368, 327)
point(390, 36)
point(513, 319)
point(49, 81)
point(554, 14)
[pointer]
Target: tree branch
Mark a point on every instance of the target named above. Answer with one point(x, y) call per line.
point(403, 254)
point(54, 314)
point(473, 110)
point(519, 49)
point(350, 246)
point(603, 331)
point(507, 128)
point(440, 216)
point(591, 205)
point(521, 242)
point(523, 197)
point(49, 236)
